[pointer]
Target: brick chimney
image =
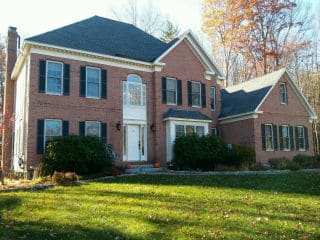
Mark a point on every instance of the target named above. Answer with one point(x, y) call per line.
point(8, 103)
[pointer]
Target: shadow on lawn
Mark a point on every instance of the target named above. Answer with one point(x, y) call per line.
point(292, 183)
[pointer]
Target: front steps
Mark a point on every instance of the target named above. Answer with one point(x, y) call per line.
point(143, 168)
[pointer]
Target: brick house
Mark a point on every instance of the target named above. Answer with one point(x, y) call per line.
point(110, 79)
point(269, 113)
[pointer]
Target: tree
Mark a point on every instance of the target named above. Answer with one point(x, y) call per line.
point(148, 18)
point(2, 67)
point(170, 32)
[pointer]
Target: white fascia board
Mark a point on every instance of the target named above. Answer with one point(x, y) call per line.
point(23, 53)
point(239, 117)
point(186, 120)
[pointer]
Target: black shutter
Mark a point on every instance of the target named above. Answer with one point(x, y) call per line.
point(40, 136)
point(306, 137)
point(291, 139)
point(42, 76)
point(275, 137)
point(297, 140)
point(66, 79)
point(82, 126)
point(179, 92)
point(189, 93)
point(103, 132)
point(280, 138)
point(82, 81)
point(104, 83)
point(164, 90)
point(263, 136)
point(65, 128)
point(203, 95)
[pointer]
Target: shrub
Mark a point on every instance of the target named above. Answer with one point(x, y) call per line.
point(304, 161)
point(62, 178)
point(293, 166)
point(279, 163)
point(198, 153)
point(80, 154)
point(257, 167)
point(241, 156)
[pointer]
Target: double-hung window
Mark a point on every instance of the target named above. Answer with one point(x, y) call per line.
point(53, 128)
point(171, 93)
point(283, 93)
point(285, 133)
point(213, 98)
point(269, 137)
point(182, 130)
point(54, 78)
point(301, 140)
point(93, 82)
point(196, 94)
point(92, 128)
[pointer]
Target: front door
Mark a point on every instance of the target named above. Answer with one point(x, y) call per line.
point(134, 143)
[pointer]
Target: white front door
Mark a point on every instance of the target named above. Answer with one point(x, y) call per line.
point(134, 143)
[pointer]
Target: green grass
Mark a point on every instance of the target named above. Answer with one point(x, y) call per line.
point(285, 206)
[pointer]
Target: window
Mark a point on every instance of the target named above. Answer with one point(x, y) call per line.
point(269, 137)
point(283, 93)
point(53, 128)
point(196, 95)
point(301, 141)
point(54, 78)
point(93, 82)
point(213, 98)
point(180, 130)
point(214, 131)
point(92, 128)
point(285, 132)
point(200, 130)
point(134, 92)
point(189, 129)
point(171, 90)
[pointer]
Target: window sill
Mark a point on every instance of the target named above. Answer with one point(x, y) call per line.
point(93, 97)
point(196, 106)
point(269, 150)
point(54, 94)
point(283, 103)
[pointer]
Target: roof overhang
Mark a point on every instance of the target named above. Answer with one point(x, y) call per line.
point(240, 117)
point(199, 51)
point(34, 47)
point(186, 120)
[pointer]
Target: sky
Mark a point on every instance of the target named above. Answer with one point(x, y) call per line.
point(32, 17)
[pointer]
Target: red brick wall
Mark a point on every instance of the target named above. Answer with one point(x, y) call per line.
point(75, 109)
point(182, 64)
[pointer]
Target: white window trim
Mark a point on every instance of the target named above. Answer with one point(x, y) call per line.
point(62, 71)
point(200, 102)
point(175, 80)
point(214, 107)
point(304, 140)
point(143, 97)
point(272, 141)
point(85, 127)
point(45, 130)
point(285, 94)
point(99, 97)
point(289, 142)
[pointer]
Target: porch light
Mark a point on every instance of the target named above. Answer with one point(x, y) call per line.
point(118, 125)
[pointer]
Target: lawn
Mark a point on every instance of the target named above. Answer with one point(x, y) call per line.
point(285, 206)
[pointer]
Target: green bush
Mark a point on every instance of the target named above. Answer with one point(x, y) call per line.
point(80, 154)
point(279, 163)
point(304, 161)
point(241, 156)
point(257, 167)
point(198, 153)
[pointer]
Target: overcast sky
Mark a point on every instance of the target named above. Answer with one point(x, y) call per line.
point(32, 17)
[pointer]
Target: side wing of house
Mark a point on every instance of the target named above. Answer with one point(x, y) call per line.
point(284, 128)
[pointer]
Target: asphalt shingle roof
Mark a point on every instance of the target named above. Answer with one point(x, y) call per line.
point(246, 97)
point(105, 36)
point(185, 114)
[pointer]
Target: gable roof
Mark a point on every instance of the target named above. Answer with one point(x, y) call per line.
point(185, 114)
point(247, 97)
point(199, 51)
point(105, 36)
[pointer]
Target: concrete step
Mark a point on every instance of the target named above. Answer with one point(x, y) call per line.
point(143, 169)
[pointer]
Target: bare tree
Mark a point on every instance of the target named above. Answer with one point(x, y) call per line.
point(148, 18)
point(2, 66)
